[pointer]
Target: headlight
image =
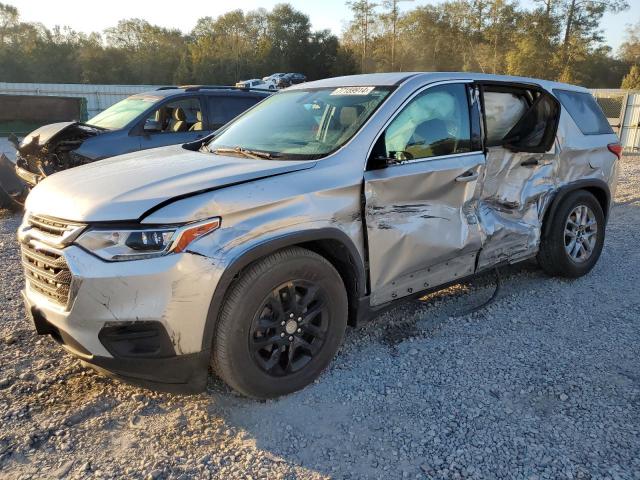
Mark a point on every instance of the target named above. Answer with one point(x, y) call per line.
point(118, 245)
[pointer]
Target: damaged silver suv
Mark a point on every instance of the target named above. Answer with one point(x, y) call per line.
point(252, 249)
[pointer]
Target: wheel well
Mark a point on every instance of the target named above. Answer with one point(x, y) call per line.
point(340, 257)
point(601, 196)
point(599, 192)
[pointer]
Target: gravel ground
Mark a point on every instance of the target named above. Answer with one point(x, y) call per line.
point(543, 383)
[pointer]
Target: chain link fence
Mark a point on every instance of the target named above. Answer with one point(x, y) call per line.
point(622, 109)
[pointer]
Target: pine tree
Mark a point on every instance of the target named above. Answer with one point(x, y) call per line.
point(631, 81)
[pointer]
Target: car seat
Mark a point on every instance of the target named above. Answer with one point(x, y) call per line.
point(179, 124)
point(198, 125)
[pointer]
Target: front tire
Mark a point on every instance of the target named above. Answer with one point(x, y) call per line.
point(281, 324)
point(573, 240)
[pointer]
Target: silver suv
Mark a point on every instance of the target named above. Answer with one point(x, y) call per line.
point(252, 249)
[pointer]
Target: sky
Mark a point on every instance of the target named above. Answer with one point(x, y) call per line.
point(332, 14)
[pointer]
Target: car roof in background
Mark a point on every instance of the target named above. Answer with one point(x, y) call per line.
point(398, 78)
point(218, 90)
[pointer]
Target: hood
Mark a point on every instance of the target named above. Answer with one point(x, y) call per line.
point(127, 186)
point(41, 136)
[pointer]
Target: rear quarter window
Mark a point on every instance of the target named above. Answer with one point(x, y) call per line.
point(585, 111)
point(225, 108)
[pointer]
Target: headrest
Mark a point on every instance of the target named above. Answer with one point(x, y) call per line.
point(199, 115)
point(178, 114)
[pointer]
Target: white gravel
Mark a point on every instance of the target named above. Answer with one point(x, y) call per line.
point(542, 384)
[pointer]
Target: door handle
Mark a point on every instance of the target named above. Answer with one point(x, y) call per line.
point(530, 162)
point(468, 176)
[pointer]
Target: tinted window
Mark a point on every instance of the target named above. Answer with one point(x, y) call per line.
point(585, 111)
point(436, 122)
point(502, 111)
point(226, 108)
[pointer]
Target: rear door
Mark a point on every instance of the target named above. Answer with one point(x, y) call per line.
point(521, 164)
point(420, 188)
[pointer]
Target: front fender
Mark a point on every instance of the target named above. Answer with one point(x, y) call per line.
point(233, 261)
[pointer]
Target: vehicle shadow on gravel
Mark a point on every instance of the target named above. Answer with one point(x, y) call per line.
point(366, 415)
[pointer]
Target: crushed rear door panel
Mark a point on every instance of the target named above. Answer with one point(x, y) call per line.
point(521, 171)
point(513, 198)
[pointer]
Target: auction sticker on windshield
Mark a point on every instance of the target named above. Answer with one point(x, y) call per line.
point(353, 91)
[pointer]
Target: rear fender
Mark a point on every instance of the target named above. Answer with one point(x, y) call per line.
point(587, 184)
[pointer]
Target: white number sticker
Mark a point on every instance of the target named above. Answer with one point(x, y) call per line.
point(353, 91)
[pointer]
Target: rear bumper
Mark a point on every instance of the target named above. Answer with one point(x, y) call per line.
point(147, 361)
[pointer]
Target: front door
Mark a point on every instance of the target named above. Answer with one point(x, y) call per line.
point(422, 229)
point(174, 123)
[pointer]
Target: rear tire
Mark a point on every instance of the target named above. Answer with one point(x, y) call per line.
point(573, 239)
point(281, 324)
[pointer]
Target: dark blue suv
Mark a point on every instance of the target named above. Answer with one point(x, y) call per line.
point(167, 116)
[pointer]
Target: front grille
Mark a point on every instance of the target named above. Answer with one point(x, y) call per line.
point(45, 268)
point(47, 273)
point(53, 230)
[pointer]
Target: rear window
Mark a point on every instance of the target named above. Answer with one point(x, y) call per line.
point(585, 111)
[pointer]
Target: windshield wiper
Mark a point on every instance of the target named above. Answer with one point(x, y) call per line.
point(254, 154)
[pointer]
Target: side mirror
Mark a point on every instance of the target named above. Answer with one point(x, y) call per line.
point(378, 158)
point(378, 162)
point(151, 126)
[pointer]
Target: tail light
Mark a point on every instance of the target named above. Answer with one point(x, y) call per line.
point(616, 149)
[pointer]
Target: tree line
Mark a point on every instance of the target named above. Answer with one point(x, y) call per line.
point(557, 39)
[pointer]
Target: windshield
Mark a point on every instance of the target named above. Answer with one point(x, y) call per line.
point(123, 112)
point(300, 124)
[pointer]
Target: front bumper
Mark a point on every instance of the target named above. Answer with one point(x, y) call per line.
point(141, 321)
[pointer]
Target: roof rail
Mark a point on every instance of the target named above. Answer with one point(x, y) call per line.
point(195, 88)
point(170, 87)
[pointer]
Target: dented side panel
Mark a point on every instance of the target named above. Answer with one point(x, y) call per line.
point(518, 188)
point(421, 226)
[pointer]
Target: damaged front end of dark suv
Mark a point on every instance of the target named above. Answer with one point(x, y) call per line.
point(52, 148)
point(44, 151)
